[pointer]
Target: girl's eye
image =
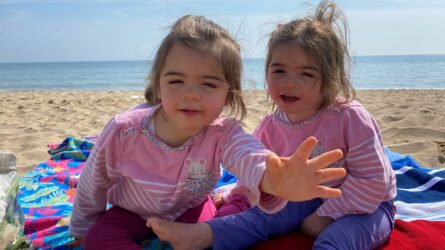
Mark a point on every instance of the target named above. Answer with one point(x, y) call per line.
point(278, 71)
point(210, 85)
point(307, 78)
point(175, 82)
point(306, 74)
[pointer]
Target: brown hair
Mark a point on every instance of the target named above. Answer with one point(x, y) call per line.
point(209, 38)
point(324, 37)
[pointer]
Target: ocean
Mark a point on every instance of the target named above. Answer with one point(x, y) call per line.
point(368, 72)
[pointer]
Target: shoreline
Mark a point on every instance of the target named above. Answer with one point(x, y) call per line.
point(244, 89)
point(412, 121)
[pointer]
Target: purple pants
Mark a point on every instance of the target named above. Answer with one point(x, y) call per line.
point(358, 231)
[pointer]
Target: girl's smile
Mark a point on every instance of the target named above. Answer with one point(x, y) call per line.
point(190, 112)
point(288, 98)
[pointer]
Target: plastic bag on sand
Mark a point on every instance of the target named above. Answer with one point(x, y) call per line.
point(11, 216)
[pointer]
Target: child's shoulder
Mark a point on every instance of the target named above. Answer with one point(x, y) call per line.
point(133, 116)
point(270, 117)
point(345, 108)
point(351, 111)
point(224, 122)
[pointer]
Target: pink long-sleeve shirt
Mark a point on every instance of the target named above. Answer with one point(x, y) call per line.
point(131, 168)
point(370, 179)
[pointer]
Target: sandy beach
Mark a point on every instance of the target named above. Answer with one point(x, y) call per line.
point(412, 121)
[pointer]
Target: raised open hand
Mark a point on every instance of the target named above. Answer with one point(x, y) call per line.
point(297, 178)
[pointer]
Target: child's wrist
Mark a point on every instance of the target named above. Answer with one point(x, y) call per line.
point(265, 185)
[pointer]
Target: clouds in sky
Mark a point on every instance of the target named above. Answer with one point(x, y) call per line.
point(56, 30)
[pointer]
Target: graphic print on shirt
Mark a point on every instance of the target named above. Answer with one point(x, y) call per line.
point(318, 150)
point(199, 179)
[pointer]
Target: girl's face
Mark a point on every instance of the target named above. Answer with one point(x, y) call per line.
point(294, 81)
point(193, 90)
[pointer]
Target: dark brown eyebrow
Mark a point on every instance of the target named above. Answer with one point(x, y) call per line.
point(276, 65)
point(172, 73)
point(175, 73)
point(305, 67)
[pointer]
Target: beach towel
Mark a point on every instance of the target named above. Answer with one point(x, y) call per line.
point(420, 203)
point(47, 192)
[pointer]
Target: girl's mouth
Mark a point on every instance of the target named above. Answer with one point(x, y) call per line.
point(190, 111)
point(287, 98)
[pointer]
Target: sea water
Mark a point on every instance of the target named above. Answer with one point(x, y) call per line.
point(367, 72)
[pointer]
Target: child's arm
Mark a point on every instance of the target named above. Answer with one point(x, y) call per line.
point(298, 178)
point(294, 178)
point(370, 179)
point(91, 193)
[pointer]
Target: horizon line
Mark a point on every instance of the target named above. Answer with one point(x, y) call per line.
point(149, 60)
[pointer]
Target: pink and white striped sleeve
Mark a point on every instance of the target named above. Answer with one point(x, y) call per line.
point(245, 156)
point(91, 194)
point(369, 172)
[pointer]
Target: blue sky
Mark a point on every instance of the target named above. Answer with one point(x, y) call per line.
point(80, 30)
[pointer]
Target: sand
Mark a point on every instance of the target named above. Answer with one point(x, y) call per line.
point(412, 121)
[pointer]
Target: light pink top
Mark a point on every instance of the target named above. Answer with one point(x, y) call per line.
point(370, 179)
point(131, 168)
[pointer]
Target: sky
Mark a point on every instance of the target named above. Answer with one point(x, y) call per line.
point(98, 30)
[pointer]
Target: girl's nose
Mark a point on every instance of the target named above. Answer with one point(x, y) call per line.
point(291, 81)
point(191, 93)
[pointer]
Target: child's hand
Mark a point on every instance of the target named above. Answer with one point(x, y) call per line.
point(218, 200)
point(313, 225)
point(296, 178)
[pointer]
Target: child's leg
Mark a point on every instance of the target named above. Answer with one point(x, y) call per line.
point(203, 212)
point(237, 203)
point(253, 225)
point(117, 228)
point(358, 231)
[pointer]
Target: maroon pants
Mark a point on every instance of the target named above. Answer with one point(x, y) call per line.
point(119, 228)
point(237, 203)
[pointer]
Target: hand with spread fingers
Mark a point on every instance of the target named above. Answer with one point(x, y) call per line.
point(298, 178)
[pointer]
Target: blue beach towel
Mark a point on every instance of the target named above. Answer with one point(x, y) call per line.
point(420, 191)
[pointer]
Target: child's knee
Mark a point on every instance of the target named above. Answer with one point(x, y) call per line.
point(100, 237)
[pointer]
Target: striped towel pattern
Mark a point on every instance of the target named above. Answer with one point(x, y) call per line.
point(420, 191)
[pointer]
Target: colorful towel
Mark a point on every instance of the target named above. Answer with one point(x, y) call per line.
point(46, 195)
